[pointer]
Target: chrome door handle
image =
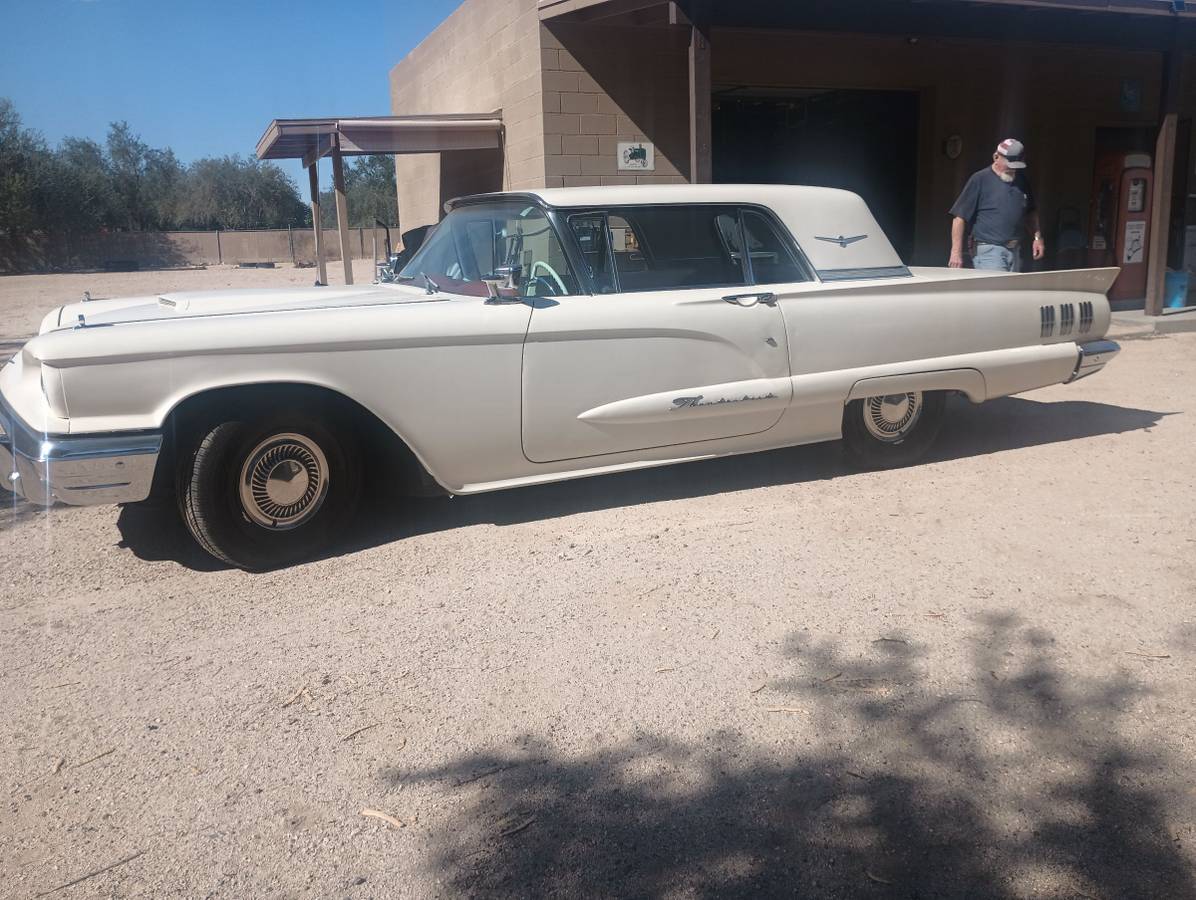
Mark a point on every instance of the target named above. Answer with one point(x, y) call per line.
point(767, 298)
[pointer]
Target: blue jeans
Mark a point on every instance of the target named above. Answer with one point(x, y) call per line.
point(997, 257)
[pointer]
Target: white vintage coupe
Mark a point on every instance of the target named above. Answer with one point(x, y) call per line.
point(534, 337)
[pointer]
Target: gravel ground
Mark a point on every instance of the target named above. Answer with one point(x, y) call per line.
point(765, 675)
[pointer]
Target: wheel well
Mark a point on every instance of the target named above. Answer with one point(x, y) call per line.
point(382, 449)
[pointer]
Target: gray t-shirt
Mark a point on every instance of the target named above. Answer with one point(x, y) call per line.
point(994, 209)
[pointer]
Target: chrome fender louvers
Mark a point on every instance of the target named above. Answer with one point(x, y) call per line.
point(1048, 321)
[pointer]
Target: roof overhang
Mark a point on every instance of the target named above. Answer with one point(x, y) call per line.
point(310, 139)
point(590, 10)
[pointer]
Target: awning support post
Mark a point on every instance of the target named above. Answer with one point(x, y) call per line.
point(1164, 170)
point(342, 208)
point(313, 180)
point(700, 168)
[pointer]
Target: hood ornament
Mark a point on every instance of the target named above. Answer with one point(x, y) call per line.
point(840, 240)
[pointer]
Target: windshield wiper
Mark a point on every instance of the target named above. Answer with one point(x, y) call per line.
point(431, 286)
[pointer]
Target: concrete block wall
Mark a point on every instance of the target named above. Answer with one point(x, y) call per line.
point(603, 85)
point(483, 57)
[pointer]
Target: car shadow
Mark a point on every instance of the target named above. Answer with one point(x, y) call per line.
point(1005, 424)
point(1010, 777)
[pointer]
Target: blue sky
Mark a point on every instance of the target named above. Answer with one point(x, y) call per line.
point(203, 78)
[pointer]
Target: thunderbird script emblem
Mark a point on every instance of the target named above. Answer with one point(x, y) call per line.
point(840, 240)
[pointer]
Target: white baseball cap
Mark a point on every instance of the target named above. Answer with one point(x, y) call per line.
point(1013, 150)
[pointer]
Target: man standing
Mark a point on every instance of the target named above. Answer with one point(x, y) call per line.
point(994, 204)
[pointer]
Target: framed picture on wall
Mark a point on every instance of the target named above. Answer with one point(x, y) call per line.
point(1131, 95)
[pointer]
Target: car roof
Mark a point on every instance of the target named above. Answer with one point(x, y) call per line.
point(834, 228)
point(619, 195)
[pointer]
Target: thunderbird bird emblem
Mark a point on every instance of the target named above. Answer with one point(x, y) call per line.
point(840, 240)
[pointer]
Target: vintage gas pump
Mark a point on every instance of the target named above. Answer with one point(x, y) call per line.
point(1119, 223)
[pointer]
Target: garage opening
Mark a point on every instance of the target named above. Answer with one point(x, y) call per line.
point(862, 141)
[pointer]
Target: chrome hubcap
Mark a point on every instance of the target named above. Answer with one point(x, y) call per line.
point(283, 481)
point(891, 417)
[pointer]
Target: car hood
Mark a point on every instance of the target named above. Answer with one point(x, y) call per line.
point(202, 304)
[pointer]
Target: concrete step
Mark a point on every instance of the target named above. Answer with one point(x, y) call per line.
point(1131, 324)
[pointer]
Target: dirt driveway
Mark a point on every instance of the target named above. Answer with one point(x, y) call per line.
point(759, 676)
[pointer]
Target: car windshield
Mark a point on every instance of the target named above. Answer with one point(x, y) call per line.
point(474, 241)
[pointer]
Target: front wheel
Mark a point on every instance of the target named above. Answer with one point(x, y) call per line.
point(259, 496)
point(893, 430)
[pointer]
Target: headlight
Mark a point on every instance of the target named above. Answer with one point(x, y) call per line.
point(54, 391)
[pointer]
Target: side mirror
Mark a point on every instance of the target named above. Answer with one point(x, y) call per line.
point(502, 285)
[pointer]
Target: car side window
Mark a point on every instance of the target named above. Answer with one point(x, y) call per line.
point(772, 259)
point(671, 247)
point(590, 230)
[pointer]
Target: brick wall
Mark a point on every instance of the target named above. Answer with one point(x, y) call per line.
point(603, 85)
point(485, 56)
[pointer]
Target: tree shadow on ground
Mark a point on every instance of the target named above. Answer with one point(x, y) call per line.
point(1004, 424)
point(1015, 782)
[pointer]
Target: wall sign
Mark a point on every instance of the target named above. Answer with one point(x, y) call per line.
point(1135, 242)
point(637, 156)
point(1131, 95)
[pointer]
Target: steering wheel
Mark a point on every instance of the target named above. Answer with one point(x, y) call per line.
point(549, 270)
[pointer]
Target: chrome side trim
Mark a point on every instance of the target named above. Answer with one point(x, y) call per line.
point(865, 273)
point(81, 470)
point(1092, 357)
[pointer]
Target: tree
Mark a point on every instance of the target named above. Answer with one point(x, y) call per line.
point(125, 184)
point(369, 193)
point(22, 156)
point(234, 192)
point(87, 186)
point(146, 181)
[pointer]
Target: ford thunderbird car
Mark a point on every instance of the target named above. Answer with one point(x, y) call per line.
point(533, 337)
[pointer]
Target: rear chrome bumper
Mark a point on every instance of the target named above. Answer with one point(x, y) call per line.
point(80, 470)
point(1092, 358)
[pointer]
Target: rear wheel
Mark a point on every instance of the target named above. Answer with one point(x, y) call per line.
point(892, 430)
point(263, 495)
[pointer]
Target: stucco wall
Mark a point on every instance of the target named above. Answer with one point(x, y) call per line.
point(485, 56)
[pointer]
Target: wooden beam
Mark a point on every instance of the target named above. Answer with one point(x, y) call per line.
point(1160, 215)
point(313, 180)
point(323, 145)
point(700, 167)
point(1164, 172)
point(342, 209)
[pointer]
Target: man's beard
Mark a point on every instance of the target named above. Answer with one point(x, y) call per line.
point(1006, 177)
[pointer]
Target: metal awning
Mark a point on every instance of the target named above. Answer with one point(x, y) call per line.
point(310, 139)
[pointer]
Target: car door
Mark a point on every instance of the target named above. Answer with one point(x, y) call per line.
point(674, 347)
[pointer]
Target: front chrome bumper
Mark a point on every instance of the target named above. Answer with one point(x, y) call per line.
point(1094, 355)
point(81, 470)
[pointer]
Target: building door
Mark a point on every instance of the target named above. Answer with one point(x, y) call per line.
point(861, 141)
